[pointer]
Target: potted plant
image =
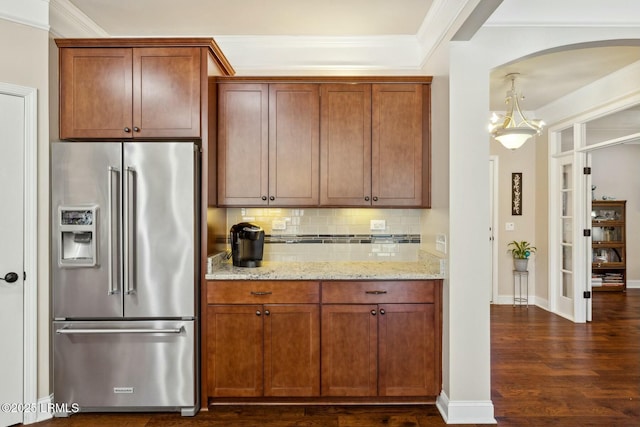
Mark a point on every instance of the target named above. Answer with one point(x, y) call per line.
point(520, 251)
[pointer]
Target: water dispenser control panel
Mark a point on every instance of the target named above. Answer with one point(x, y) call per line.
point(77, 236)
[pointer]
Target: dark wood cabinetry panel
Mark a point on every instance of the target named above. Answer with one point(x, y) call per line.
point(292, 350)
point(267, 349)
point(396, 340)
point(166, 92)
point(136, 88)
point(335, 142)
point(407, 360)
point(349, 350)
point(95, 93)
point(243, 144)
point(294, 144)
point(397, 144)
point(345, 145)
point(234, 350)
point(130, 92)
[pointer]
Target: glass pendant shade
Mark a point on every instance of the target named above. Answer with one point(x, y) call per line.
point(506, 129)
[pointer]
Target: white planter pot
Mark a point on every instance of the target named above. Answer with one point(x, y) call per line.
point(520, 264)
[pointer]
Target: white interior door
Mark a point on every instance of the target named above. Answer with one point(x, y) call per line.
point(12, 110)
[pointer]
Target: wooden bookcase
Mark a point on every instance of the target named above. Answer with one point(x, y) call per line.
point(608, 245)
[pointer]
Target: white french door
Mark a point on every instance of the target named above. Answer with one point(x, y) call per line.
point(563, 297)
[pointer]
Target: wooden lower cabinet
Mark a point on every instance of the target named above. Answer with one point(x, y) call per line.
point(268, 349)
point(379, 350)
point(361, 339)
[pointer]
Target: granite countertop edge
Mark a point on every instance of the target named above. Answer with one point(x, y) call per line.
point(221, 269)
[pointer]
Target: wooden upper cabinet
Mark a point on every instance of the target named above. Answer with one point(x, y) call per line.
point(397, 145)
point(331, 142)
point(243, 144)
point(268, 144)
point(166, 92)
point(345, 144)
point(126, 93)
point(294, 144)
point(96, 93)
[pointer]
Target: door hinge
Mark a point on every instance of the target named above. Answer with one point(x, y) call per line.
point(587, 170)
point(587, 295)
point(586, 232)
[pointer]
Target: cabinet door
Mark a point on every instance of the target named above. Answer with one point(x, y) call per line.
point(234, 350)
point(243, 144)
point(95, 93)
point(349, 350)
point(345, 144)
point(166, 92)
point(294, 146)
point(397, 142)
point(292, 350)
point(407, 360)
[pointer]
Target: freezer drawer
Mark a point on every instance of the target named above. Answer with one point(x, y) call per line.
point(126, 365)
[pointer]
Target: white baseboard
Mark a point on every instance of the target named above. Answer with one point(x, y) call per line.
point(44, 404)
point(465, 411)
point(633, 284)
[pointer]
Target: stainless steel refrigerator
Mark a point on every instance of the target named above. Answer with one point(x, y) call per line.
point(124, 270)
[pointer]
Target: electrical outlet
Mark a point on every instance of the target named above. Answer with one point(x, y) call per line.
point(441, 243)
point(278, 224)
point(377, 224)
point(509, 226)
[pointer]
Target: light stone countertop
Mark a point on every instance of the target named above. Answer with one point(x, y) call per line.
point(356, 270)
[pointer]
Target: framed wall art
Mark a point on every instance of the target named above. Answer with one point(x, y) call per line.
point(516, 193)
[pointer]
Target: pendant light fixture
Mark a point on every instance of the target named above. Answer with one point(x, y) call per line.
point(509, 130)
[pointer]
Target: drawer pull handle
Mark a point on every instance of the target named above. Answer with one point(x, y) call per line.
point(260, 293)
point(375, 292)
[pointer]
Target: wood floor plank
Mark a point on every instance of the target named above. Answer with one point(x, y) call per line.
point(545, 371)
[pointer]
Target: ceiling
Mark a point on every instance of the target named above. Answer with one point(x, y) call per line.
point(542, 79)
point(256, 17)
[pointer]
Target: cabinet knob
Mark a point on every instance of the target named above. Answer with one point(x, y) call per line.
point(264, 197)
point(258, 313)
point(382, 311)
point(136, 129)
point(375, 199)
point(127, 130)
point(373, 312)
point(267, 312)
point(366, 198)
point(272, 198)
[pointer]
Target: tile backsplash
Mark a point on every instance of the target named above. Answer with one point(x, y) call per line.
point(335, 234)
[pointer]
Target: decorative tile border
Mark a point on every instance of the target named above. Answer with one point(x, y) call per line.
point(342, 238)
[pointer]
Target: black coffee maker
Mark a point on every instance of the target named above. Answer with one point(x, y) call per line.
point(247, 244)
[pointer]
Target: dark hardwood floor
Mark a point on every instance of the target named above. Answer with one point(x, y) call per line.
point(546, 371)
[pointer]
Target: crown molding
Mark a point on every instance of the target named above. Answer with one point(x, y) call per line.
point(303, 54)
point(67, 21)
point(34, 13)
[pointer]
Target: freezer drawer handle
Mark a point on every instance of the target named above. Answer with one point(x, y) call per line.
point(67, 331)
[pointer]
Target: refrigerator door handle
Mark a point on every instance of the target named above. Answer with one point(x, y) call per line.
point(69, 331)
point(113, 284)
point(130, 235)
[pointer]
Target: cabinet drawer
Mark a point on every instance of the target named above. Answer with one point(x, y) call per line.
point(262, 292)
point(374, 292)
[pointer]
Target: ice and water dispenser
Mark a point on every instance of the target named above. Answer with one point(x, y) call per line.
point(77, 236)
